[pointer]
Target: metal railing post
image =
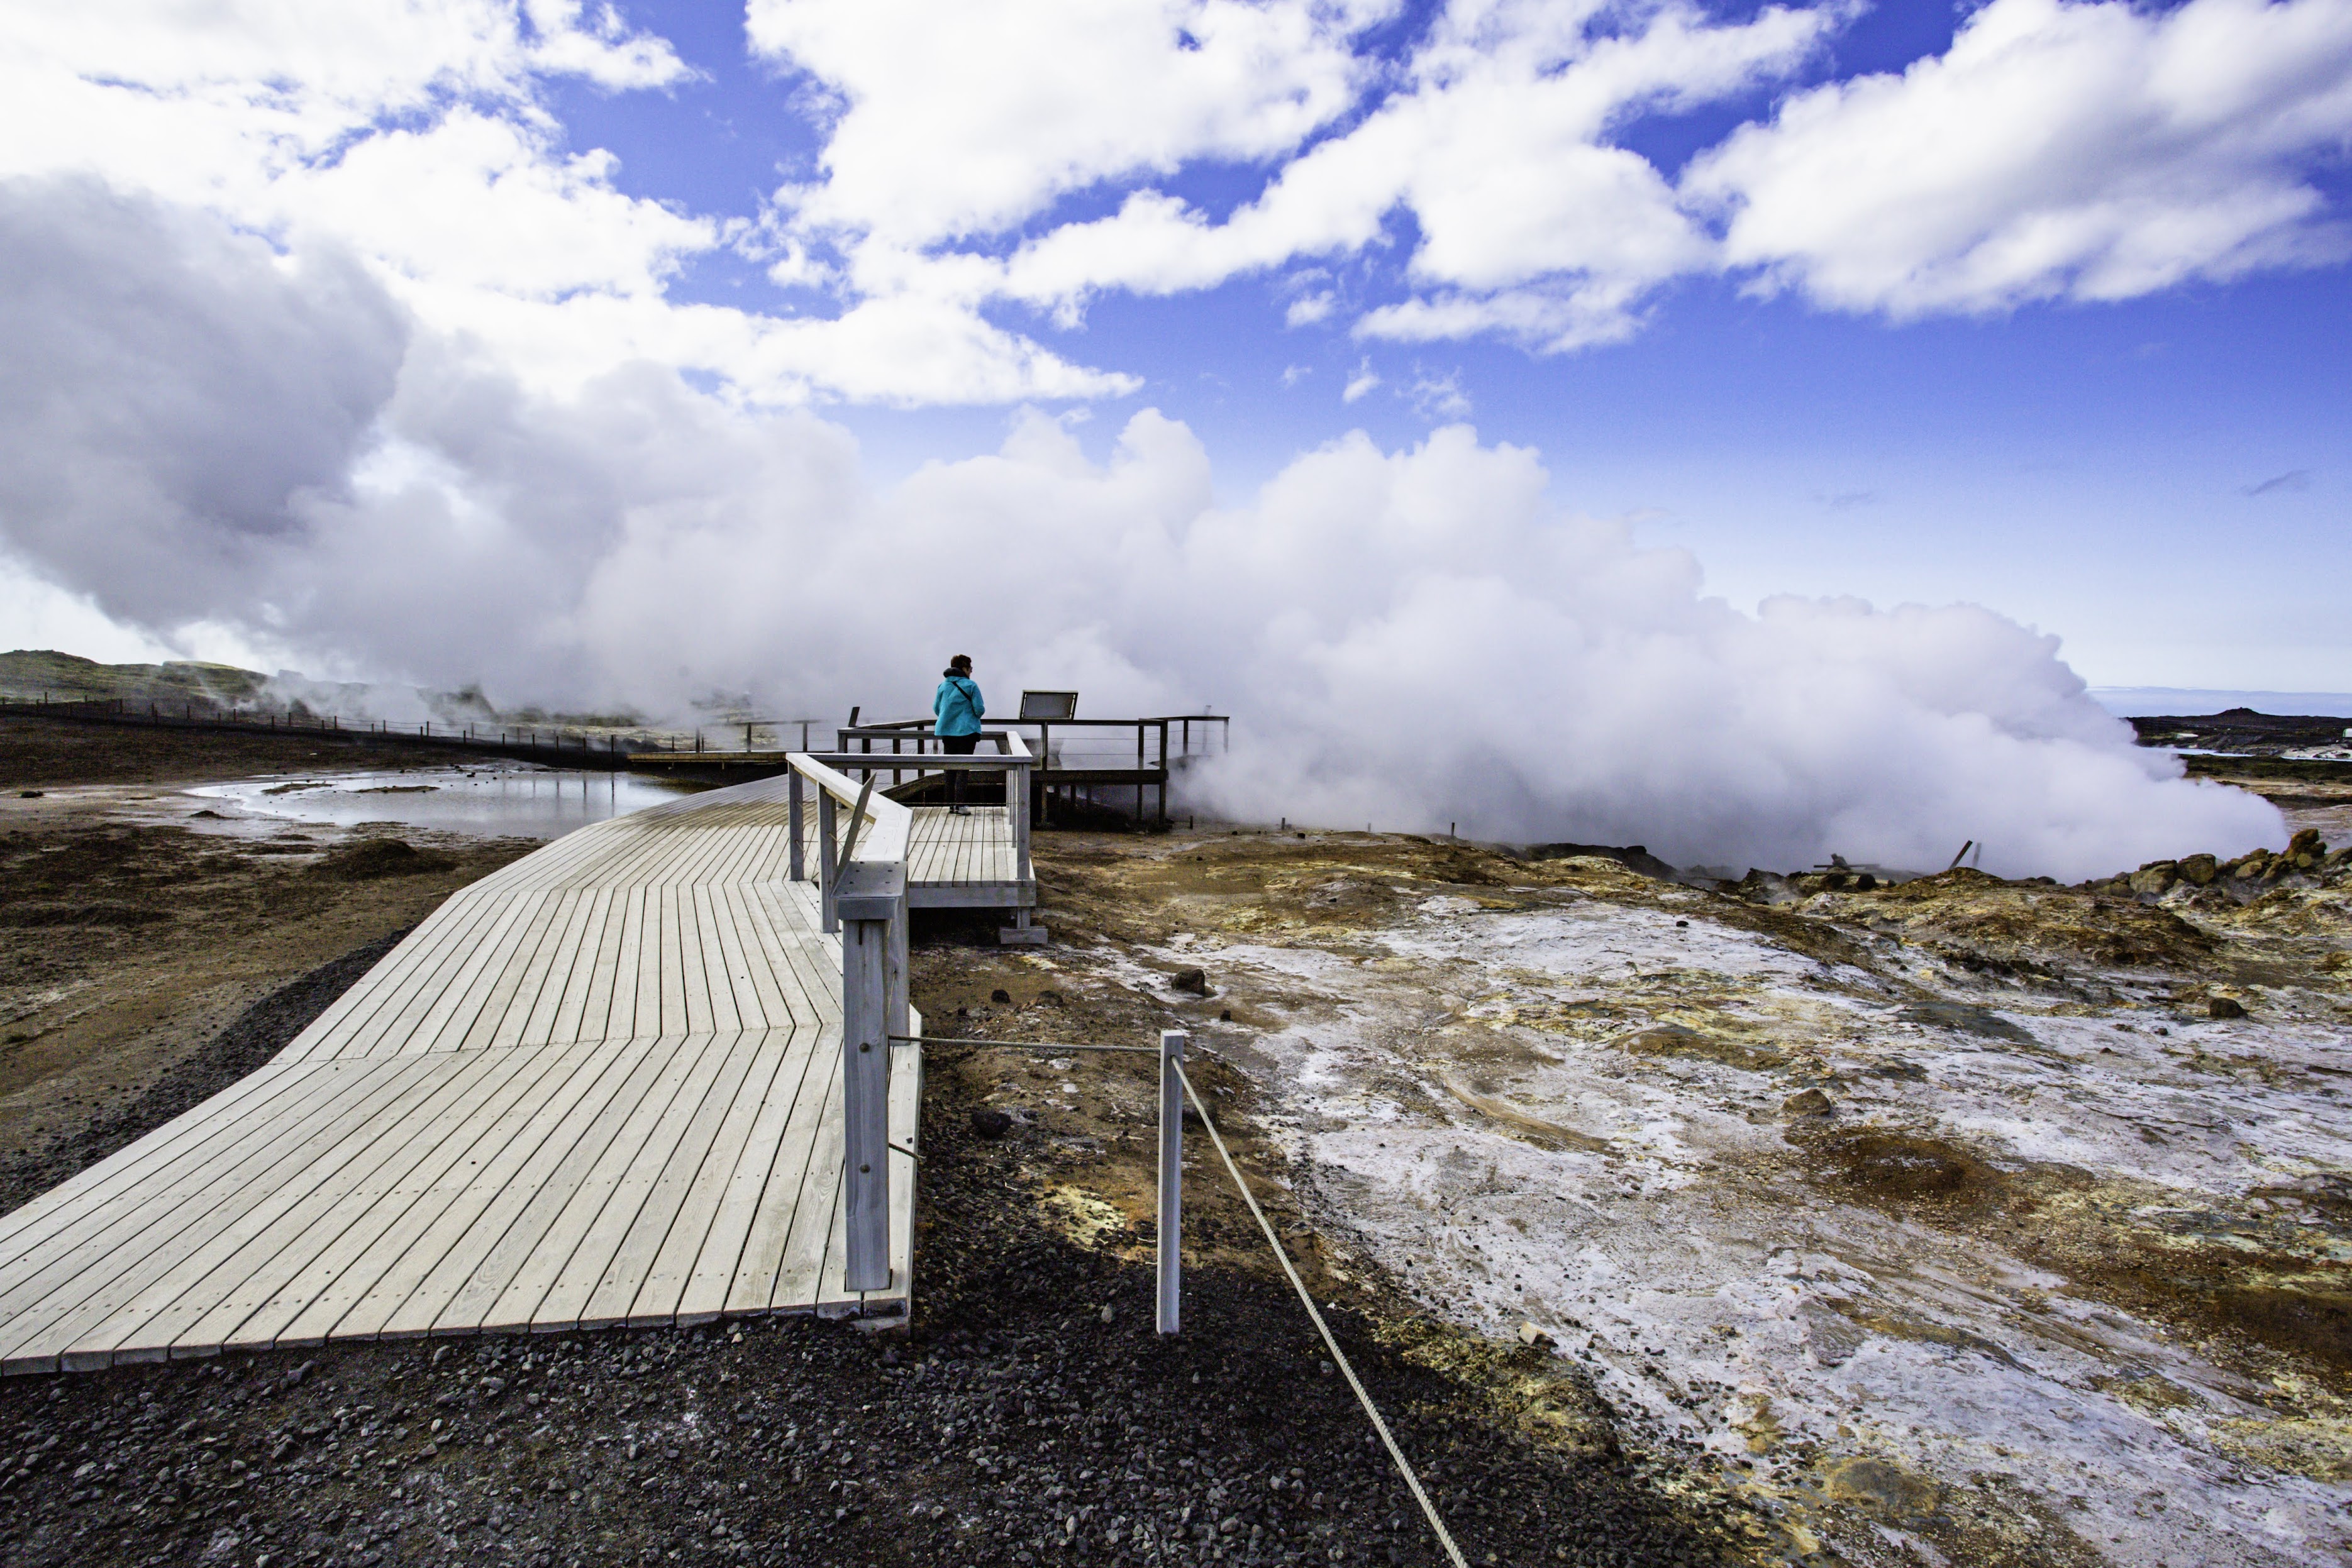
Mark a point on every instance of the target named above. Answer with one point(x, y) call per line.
point(1170, 1232)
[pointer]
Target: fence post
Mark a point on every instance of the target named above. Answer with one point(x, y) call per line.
point(793, 793)
point(1171, 1180)
point(872, 900)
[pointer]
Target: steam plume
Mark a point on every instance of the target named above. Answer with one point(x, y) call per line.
point(192, 428)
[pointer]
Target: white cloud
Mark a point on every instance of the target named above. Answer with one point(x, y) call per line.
point(968, 119)
point(413, 136)
point(1310, 308)
point(2091, 152)
point(1531, 223)
point(1362, 382)
point(1440, 397)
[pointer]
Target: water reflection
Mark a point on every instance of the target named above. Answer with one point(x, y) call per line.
point(495, 800)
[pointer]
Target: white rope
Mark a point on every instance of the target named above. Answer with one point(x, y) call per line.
point(1402, 1465)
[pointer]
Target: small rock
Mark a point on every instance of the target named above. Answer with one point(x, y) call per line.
point(1535, 1338)
point(1196, 981)
point(1111, 1314)
point(1002, 997)
point(991, 1122)
point(28, 794)
point(2224, 1008)
point(1227, 1016)
point(1806, 1102)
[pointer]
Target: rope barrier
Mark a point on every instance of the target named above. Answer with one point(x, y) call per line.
point(1404, 1466)
point(1043, 1045)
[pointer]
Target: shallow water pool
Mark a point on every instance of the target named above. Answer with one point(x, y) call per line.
point(494, 799)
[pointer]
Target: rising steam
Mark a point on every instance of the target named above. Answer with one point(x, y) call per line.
point(194, 429)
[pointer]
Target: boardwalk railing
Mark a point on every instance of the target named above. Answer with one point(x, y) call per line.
point(1088, 764)
point(1012, 758)
point(863, 864)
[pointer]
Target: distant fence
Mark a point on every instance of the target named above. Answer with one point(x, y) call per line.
point(554, 747)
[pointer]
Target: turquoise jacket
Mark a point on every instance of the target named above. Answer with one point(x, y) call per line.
point(959, 705)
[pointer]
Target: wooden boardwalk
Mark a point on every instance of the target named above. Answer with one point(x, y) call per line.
point(601, 1086)
point(966, 862)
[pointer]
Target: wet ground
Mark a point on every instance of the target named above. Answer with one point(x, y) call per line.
point(1949, 1221)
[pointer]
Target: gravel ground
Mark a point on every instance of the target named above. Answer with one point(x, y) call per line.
point(1031, 1416)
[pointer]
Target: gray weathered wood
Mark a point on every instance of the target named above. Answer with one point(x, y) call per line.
point(1171, 1231)
point(866, 1012)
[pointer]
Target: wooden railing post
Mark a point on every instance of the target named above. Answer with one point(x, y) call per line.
point(864, 1098)
point(871, 899)
point(828, 874)
point(793, 794)
point(1017, 800)
point(1171, 1229)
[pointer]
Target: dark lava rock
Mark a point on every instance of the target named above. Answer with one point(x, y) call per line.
point(1002, 998)
point(991, 1122)
point(1196, 981)
point(2224, 1008)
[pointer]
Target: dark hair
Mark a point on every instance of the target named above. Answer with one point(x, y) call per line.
point(959, 665)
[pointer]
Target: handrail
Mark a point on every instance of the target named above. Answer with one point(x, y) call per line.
point(862, 888)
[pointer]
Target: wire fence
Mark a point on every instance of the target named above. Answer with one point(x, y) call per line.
point(1170, 1178)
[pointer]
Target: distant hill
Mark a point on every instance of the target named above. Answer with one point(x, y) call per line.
point(29, 675)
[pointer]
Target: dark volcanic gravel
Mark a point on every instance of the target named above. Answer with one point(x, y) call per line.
point(1032, 1417)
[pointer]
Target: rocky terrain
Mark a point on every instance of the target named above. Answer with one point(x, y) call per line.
point(1938, 1220)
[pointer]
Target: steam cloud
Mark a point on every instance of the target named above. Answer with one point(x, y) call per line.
point(192, 428)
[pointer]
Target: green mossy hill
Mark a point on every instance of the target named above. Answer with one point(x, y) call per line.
point(28, 674)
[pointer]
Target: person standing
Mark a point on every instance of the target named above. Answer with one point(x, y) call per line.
point(959, 706)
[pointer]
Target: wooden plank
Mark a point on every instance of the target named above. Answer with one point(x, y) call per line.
point(634, 1175)
point(260, 1094)
point(50, 1308)
point(678, 1206)
point(523, 1300)
point(405, 1259)
point(115, 1229)
point(767, 1149)
point(814, 1207)
point(483, 1242)
point(752, 1286)
point(378, 1225)
point(269, 1263)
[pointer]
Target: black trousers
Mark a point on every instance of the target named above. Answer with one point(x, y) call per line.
point(958, 745)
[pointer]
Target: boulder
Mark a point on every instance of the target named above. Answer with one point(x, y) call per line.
point(2153, 879)
point(2250, 868)
point(1806, 1102)
point(2224, 1008)
point(2199, 869)
point(1195, 981)
point(991, 1122)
